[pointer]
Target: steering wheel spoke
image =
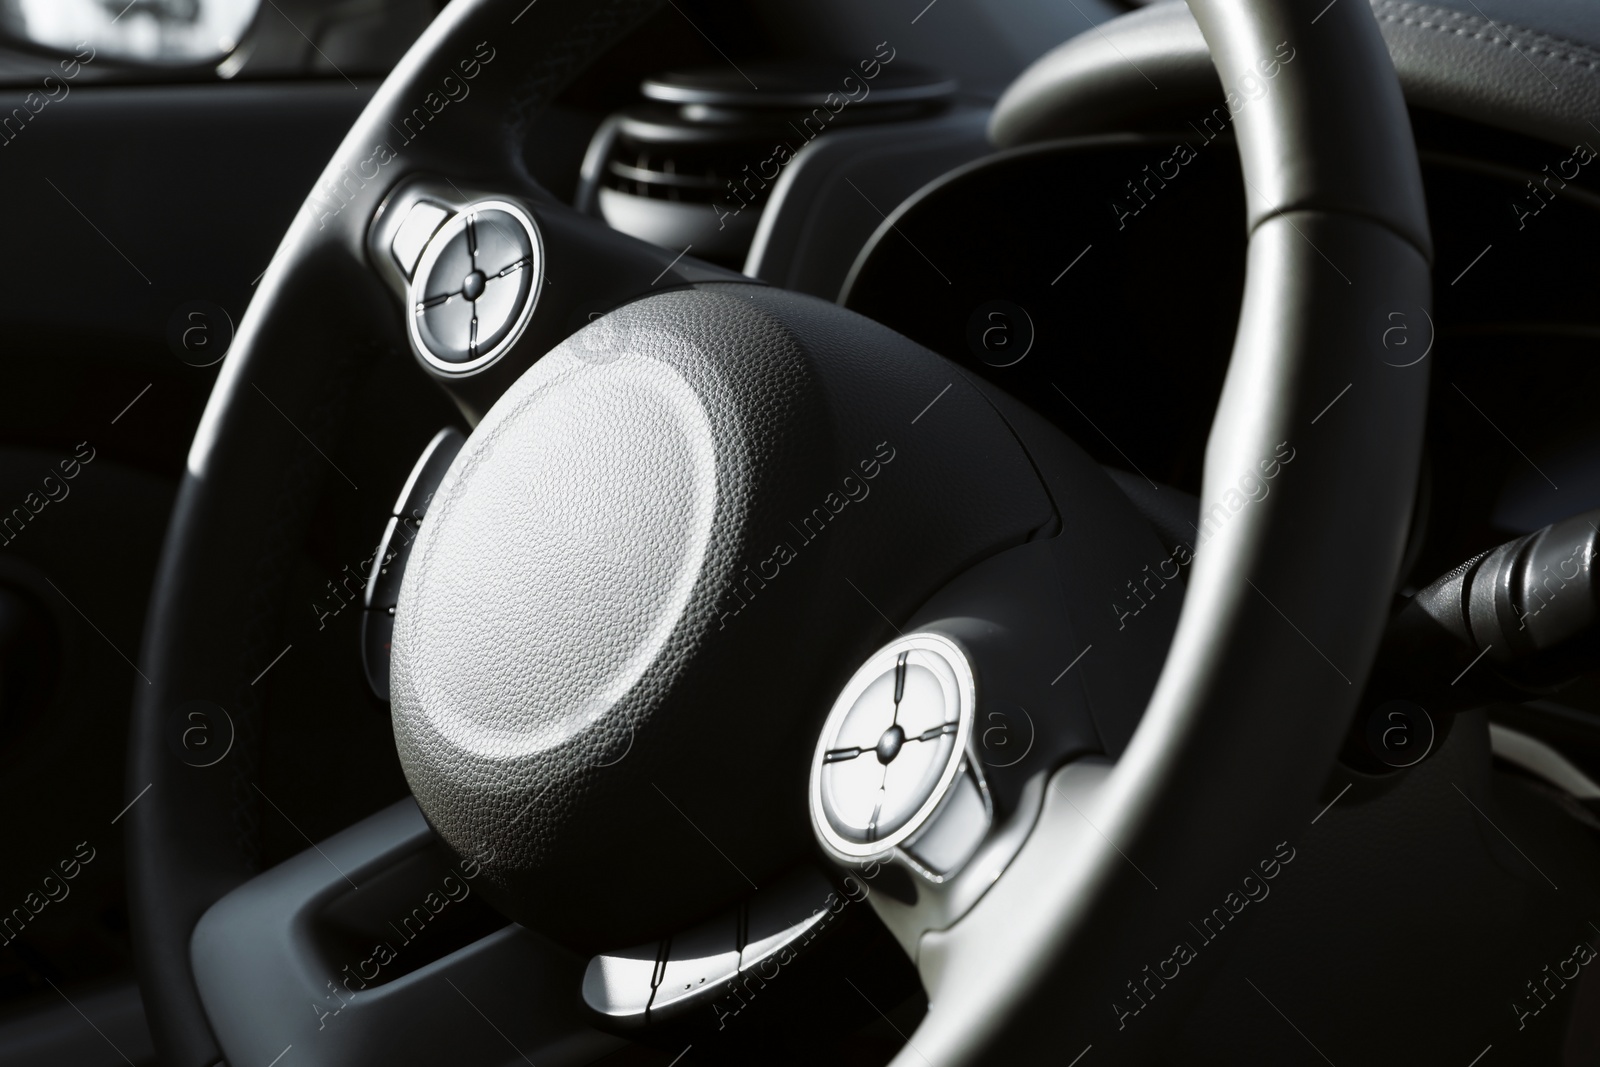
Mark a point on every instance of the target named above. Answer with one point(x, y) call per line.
point(374, 947)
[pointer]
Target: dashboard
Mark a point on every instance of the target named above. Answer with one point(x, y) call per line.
point(1119, 326)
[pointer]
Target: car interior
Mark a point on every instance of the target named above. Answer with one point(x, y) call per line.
point(611, 532)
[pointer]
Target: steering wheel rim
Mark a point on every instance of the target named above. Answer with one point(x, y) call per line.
point(1338, 237)
point(191, 839)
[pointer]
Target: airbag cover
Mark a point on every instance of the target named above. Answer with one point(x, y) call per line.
point(629, 602)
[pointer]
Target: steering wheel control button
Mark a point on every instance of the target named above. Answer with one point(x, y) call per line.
point(475, 286)
point(389, 563)
point(422, 221)
point(660, 982)
point(620, 985)
point(697, 964)
point(1400, 733)
point(377, 635)
point(893, 749)
point(426, 474)
point(394, 551)
point(780, 920)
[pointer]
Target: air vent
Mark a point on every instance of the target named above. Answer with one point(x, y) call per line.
point(696, 162)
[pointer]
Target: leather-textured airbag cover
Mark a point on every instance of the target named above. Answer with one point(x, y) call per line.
point(631, 600)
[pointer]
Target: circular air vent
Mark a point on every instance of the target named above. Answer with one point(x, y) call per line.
point(695, 164)
point(475, 286)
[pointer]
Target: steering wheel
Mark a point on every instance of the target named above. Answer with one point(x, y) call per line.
point(675, 537)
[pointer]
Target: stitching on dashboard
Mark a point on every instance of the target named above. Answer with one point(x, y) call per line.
point(1504, 35)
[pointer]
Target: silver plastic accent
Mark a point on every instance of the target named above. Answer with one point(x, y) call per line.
point(620, 984)
point(1541, 760)
point(698, 962)
point(762, 948)
point(421, 223)
point(951, 838)
point(943, 899)
point(655, 982)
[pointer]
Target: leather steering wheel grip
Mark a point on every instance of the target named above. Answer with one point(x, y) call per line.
point(1288, 592)
point(1090, 84)
point(320, 317)
point(1450, 59)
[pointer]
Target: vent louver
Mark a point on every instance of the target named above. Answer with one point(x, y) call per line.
point(695, 163)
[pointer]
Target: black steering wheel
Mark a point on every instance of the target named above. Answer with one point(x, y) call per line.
point(673, 538)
